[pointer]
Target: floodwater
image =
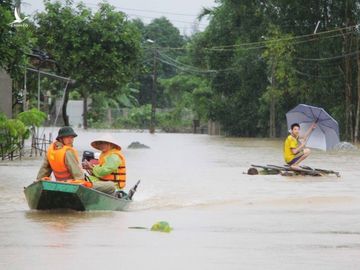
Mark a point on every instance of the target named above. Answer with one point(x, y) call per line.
point(221, 218)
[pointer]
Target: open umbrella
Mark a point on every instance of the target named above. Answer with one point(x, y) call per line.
point(325, 136)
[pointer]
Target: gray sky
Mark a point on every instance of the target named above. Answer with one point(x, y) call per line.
point(181, 13)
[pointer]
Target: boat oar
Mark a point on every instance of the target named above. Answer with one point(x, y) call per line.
point(133, 190)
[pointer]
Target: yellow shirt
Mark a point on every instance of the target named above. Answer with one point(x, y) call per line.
point(290, 143)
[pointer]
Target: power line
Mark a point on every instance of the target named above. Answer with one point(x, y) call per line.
point(175, 61)
point(152, 11)
point(194, 69)
point(328, 58)
point(183, 66)
point(216, 48)
point(288, 38)
point(318, 76)
point(149, 17)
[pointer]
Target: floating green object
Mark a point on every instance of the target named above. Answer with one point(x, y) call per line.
point(161, 226)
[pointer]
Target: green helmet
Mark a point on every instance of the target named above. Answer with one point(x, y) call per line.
point(66, 131)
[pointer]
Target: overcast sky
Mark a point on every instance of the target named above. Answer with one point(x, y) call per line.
point(181, 13)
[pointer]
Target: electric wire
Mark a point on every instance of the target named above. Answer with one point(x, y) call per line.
point(151, 11)
point(328, 58)
point(318, 76)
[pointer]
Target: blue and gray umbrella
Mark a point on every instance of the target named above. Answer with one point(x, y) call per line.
point(325, 136)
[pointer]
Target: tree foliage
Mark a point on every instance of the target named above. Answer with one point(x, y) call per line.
point(254, 61)
point(99, 50)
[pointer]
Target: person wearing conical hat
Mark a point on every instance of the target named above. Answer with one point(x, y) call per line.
point(62, 158)
point(111, 167)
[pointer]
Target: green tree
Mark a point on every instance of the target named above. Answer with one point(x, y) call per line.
point(280, 73)
point(100, 51)
point(163, 34)
point(16, 41)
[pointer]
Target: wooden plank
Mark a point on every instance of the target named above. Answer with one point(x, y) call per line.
point(322, 170)
point(304, 171)
point(282, 168)
point(265, 167)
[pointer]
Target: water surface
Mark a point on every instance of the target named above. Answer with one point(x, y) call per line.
point(222, 218)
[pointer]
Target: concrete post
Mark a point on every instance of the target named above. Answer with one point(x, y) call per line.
point(5, 93)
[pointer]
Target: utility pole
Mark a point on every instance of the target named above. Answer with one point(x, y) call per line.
point(25, 92)
point(153, 93)
point(38, 101)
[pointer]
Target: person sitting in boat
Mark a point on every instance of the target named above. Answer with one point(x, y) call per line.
point(111, 167)
point(62, 158)
point(63, 161)
point(294, 146)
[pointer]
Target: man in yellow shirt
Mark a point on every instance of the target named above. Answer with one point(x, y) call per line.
point(294, 150)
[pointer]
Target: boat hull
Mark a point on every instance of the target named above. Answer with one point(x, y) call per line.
point(47, 195)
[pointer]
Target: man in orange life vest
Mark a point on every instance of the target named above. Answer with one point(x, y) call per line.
point(61, 158)
point(111, 167)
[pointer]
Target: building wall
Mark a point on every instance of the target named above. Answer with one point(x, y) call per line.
point(5, 93)
point(75, 112)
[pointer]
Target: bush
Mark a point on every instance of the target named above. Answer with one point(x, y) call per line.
point(138, 117)
point(13, 132)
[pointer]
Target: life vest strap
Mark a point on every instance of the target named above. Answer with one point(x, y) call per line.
point(123, 181)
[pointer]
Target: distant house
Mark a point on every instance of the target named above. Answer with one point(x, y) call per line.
point(5, 93)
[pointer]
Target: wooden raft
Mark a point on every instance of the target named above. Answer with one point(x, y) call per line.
point(288, 171)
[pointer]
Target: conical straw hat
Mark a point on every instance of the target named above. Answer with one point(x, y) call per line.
point(106, 139)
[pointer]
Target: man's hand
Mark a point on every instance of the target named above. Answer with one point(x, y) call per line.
point(87, 165)
point(313, 126)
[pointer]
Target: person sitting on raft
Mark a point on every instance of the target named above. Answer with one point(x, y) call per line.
point(294, 146)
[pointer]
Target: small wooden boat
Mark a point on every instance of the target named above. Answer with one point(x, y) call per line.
point(288, 171)
point(46, 195)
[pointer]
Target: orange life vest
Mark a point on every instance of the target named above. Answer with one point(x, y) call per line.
point(119, 175)
point(56, 158)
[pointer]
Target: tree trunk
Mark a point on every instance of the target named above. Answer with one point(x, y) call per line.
point(347, 45)
point(272, 122)
point(357, 121)
point(85, 111)
point(64, 106)
point(348, 97)
point(272, 118)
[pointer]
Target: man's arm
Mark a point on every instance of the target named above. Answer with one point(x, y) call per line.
point(45, 169)
point(111, 164)
point(308, 132)
point(73, 165)
point(298, 149)
point(306, 136)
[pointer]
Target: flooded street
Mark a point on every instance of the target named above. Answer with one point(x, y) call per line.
point(222, 218)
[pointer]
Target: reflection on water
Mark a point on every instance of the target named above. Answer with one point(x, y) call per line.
point(221, 216)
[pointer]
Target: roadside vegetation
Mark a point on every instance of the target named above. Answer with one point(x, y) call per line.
point(253, 62)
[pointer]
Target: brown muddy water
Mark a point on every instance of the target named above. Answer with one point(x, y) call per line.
point(222, 218)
